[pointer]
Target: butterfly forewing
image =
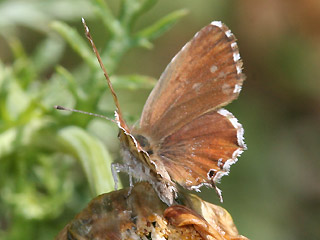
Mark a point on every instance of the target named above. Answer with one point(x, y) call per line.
point(205, 75)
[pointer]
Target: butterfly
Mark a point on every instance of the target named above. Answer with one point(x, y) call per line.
point(184, 137)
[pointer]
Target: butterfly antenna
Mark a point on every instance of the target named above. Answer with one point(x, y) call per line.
point(114, 95)
point(83, 112)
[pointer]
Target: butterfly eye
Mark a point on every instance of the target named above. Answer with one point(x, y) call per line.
point(143, 141)
point(150, 152)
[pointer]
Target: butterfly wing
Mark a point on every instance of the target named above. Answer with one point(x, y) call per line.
point(201, 152)
point(194, 140)
point(205, 75)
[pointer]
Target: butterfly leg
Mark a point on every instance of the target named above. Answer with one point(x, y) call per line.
point(115, 169)
point(219, 192)
point(130, 182)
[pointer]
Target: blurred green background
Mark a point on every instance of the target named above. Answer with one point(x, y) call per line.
point(52, 163)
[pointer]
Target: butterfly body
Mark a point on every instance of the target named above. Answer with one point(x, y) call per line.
point(139, 164)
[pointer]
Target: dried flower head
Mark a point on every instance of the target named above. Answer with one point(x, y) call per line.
point(138, 213)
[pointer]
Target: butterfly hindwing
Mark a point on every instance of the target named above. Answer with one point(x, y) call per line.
point(201, 152)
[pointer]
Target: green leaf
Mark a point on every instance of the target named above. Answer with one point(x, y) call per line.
point(72, 85)
point(37, 14)
point(133, 82)
point(77, 42)
point(93, 156)
point(6, 76)
point(105, 14)
point(58, 91)
point(48, 53)
point(17, 48)
point(131, 9)
point(159, 27)
point(13, 138)
point(7, 139)
point(40, 188)
point(17, 100)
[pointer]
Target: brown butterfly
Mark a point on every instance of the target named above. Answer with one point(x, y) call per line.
point(184, 135)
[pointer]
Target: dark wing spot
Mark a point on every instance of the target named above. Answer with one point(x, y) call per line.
point(211, 173)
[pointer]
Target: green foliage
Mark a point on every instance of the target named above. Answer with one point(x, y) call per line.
point(93, 156)
point(40, 178)
point(37, 14)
